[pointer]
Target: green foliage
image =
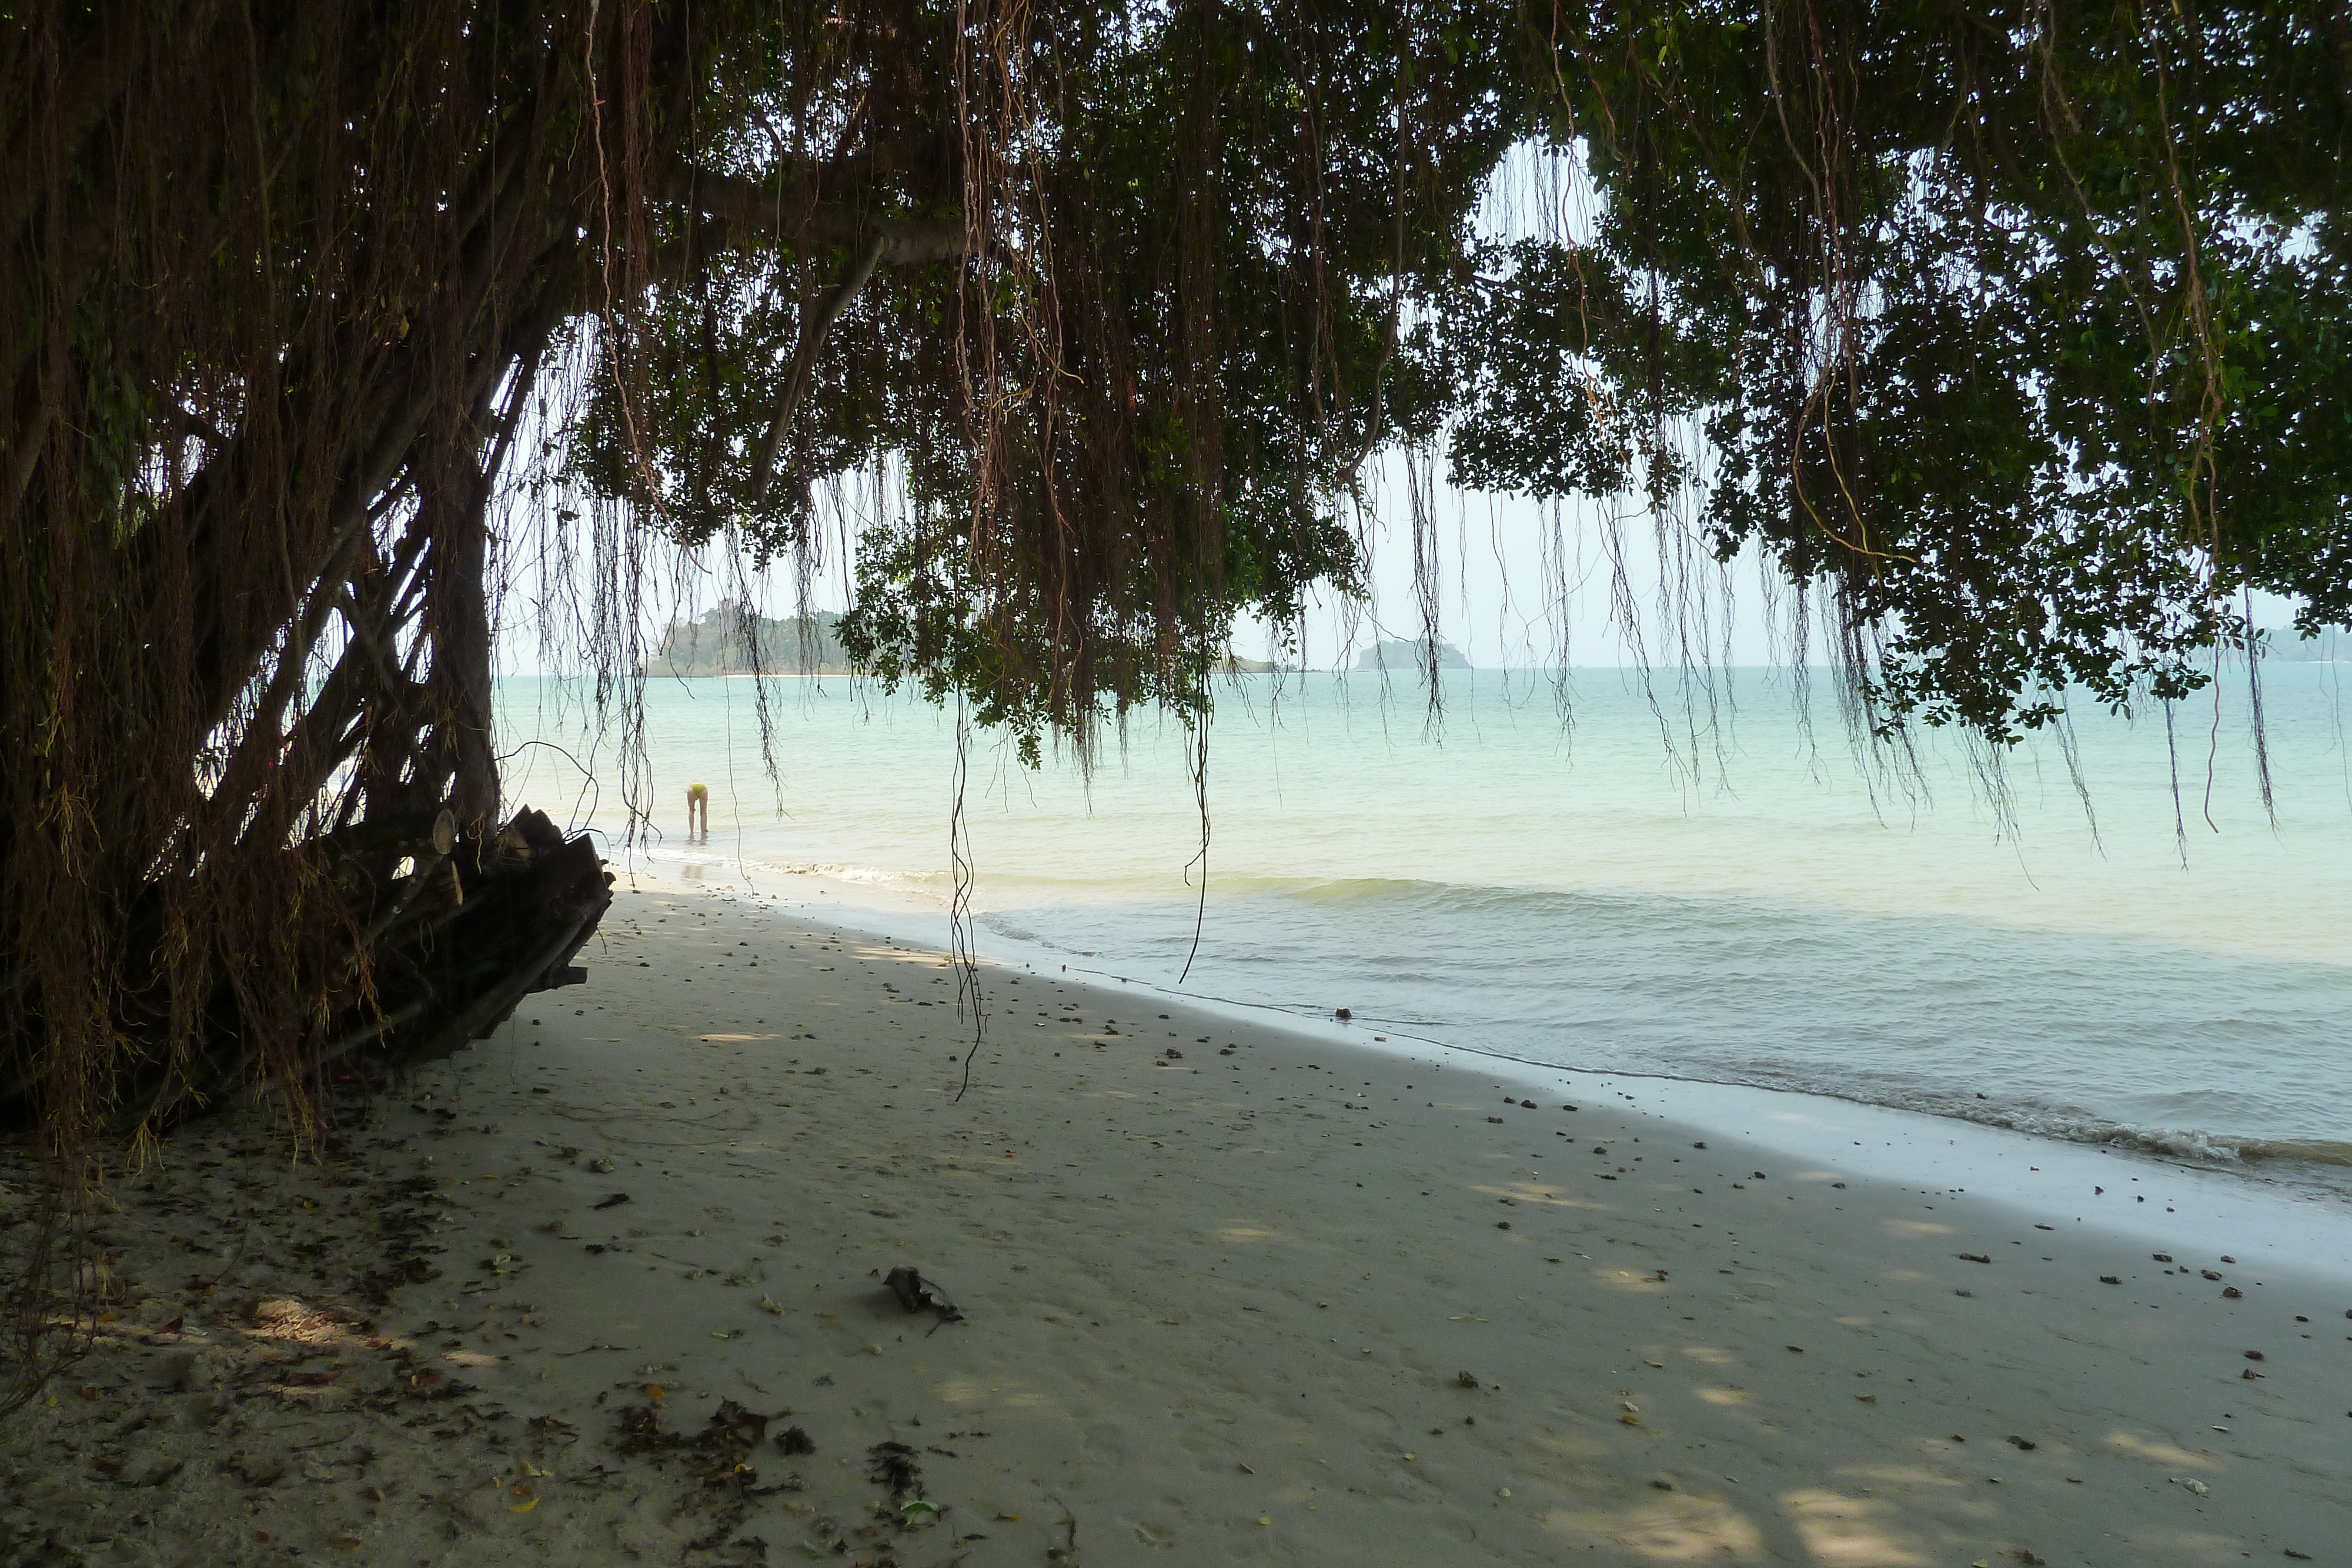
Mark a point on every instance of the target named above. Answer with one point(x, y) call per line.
point(1137, 410)
point(2028, 340)
point(2023, 341)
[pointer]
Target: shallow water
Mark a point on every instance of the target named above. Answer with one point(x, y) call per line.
point(1715, 888)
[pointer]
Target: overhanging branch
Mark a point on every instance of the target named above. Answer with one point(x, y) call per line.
point(814, 331)
point(901, 242)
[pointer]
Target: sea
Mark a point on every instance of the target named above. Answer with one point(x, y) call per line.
point(2135, 931)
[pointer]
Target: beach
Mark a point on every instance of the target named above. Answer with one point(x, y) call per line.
point(610, 1287)
point(1778, 916)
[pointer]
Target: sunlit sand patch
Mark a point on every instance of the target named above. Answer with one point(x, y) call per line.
point(1573, 1446)
point(1714, 1355)
point(1848, 1532)
point(1629, 1282)
point(2161, 1452)
point(971, 1394)
point(734, 1037)
point(898, 955)
point(1524, 1192)
point(1678, 1529)
point(1915, 1229)
point(1901, 1475)
point(1722, 1396)
point(1247, 1233)
point(963, 1392)
point(1904, 1276)
point(1816, 1176)
point(293, 1323)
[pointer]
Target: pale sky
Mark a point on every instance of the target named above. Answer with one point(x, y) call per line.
point(1504, 592)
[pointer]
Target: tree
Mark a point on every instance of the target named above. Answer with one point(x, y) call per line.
point(2023, 340)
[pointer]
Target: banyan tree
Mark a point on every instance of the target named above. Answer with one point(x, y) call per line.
point(2016, 341)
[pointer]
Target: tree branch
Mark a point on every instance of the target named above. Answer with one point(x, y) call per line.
point(903, 242)
point(821, 318)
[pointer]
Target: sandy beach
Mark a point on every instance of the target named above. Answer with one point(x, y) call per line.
point(610, 1287)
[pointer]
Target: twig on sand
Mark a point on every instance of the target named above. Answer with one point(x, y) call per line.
point(1067, 1553)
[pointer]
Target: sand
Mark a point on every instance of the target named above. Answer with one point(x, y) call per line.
point(1226, 1294)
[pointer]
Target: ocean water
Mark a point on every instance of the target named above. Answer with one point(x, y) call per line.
point(1709, 883)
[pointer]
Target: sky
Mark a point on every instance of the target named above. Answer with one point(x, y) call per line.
point(1518, 584)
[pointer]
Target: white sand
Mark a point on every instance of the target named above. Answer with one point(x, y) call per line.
point(1296, 1304)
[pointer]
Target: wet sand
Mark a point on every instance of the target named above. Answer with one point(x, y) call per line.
point(1227, 1293)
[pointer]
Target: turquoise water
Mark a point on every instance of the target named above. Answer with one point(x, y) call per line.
point(1708, 884)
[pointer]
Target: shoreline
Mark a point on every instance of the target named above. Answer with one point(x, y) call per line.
point(1225, 1294)
point(2211, 1205)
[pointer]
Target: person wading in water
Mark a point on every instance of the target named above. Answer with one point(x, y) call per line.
point(698, 799)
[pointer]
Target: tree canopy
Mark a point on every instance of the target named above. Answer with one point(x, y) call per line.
point(2021, 338)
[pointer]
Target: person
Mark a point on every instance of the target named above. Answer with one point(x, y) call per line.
point(698, 799)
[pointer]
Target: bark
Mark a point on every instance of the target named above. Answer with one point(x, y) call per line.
point(457, 612)
point(813, 332)
point(904, 241)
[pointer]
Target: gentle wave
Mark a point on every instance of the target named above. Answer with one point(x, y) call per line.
point(2312, 1153)
point(1739, 992)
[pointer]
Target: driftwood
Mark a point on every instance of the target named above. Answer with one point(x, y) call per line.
point(469, 932)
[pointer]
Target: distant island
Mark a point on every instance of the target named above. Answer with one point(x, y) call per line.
point(1399, 654)
point(713, 644)
point(2285, 645)
point(1232, 663)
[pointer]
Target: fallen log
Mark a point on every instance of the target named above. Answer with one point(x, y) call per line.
point(518, 916)
point(444, 936)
